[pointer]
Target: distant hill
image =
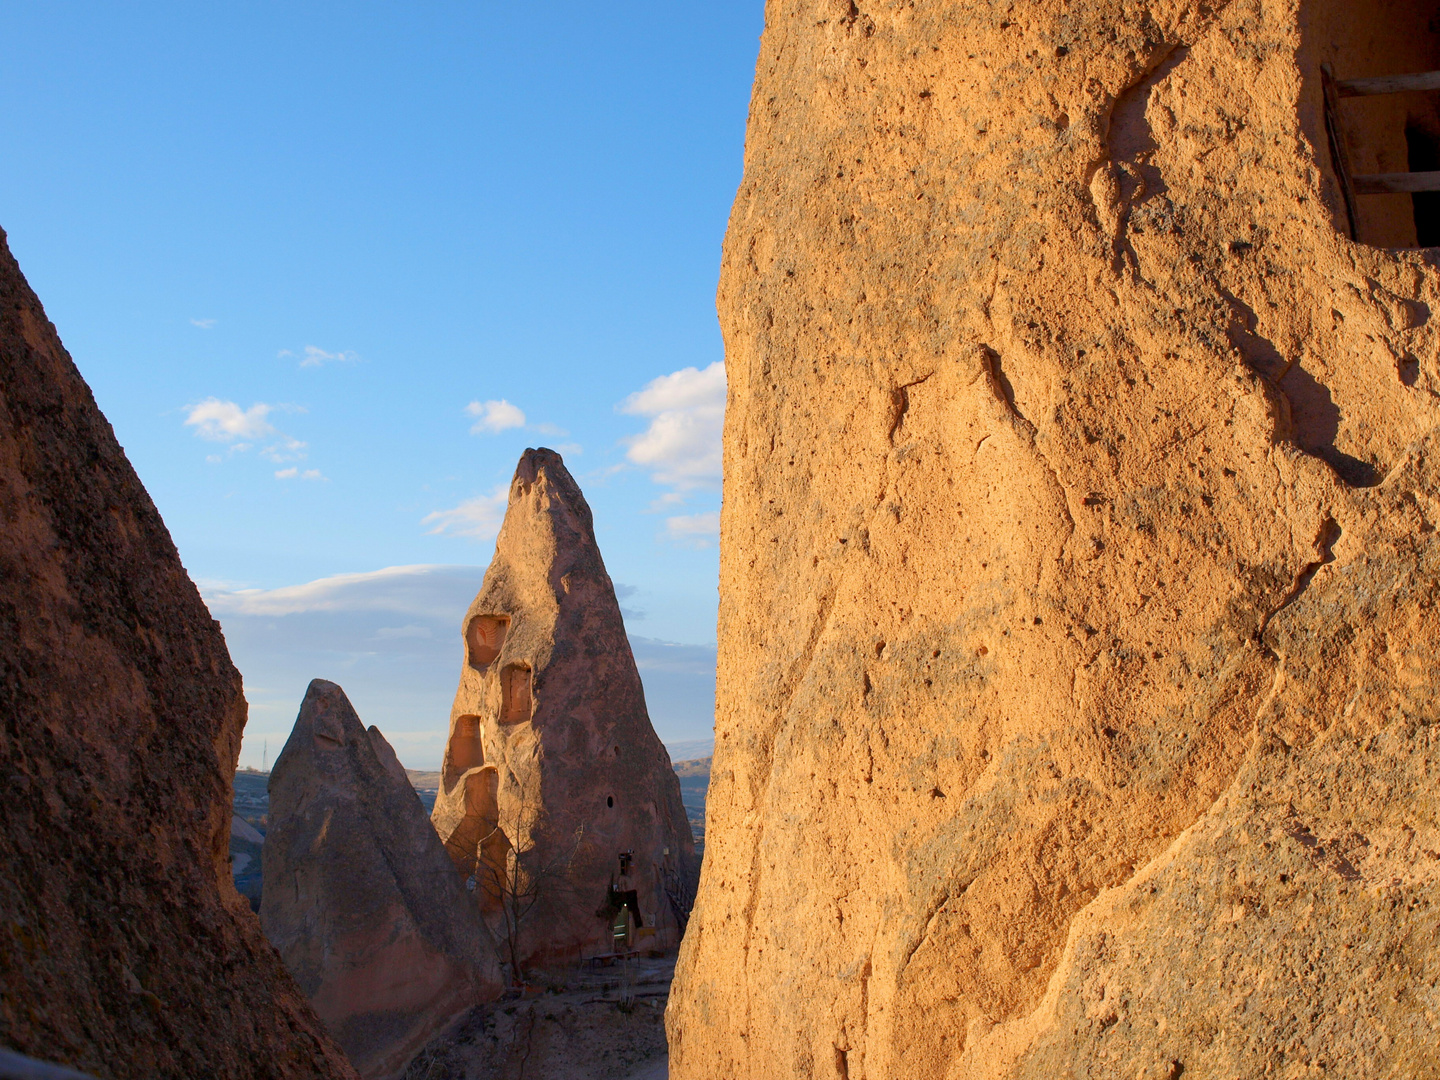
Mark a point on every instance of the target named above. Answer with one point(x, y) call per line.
point(690, 749)
point(694, 783)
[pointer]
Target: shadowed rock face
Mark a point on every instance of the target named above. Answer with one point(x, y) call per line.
point(1078, 554)
point(124, 949)
point(551, 754)
point(360, 898)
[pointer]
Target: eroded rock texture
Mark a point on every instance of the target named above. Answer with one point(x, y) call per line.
point(1078, 564)
point(124, 948)
point(360, 898)
point(551, 757)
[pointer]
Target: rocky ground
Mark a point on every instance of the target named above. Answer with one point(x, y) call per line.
point(572, 1024)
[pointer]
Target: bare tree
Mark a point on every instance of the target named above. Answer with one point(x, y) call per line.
point(523, 871)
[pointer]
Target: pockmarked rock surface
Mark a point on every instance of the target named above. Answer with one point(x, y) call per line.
point(551, 758)
point(124, 948)
point(1078, 558)
point(360, 898)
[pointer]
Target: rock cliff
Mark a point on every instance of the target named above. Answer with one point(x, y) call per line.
point(1078, 554)
point(551, 758)
point(360, 898)
point(124, 948)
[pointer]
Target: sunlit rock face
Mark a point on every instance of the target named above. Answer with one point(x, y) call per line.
point(1078, 564)
point(124, 949)
point(360, 898)
point(552, 769)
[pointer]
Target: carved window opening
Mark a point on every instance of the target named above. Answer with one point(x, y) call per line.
point(484, 638)
point(515, 693)
point(466, 750)
point(1423, 146)
point(1378, 67)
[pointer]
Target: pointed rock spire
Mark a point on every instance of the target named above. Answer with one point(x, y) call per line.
point(552, 770)
point(361, 901)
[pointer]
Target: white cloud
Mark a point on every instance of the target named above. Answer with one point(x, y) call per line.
point(423, 591)
point(203, 324)
point(570, 449)
point(395, 633)
point(293, 473)
point(696, 530)
point(479, 517)
point(224, 421)
point(287, 449)
point(227, 422)
point(316, 357)
point(681, 447)
point(494, 416)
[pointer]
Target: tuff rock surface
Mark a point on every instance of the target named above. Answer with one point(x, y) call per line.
point(360, 898)
point(551, 757)
point(124, 948)
point(1077, 701)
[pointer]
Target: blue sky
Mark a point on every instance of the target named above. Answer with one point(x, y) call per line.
point(329, 269)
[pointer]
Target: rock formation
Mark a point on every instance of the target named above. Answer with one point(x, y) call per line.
point(1079, 571)
point(360, 898)
point(551, 758)
point(124, 948)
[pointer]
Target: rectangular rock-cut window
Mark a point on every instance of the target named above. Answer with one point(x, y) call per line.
point(484, 638)
point(515, 693)
point(1382, 107)
point(466, 750)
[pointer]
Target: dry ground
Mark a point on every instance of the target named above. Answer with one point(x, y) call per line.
point(575, 1024)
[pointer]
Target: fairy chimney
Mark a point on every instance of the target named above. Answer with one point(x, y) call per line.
point(552, 770)
point(360, 899)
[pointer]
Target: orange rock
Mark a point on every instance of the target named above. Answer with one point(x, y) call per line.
point(124, 949)
point(552, 769)
point(361, 900)
point(1077, 553)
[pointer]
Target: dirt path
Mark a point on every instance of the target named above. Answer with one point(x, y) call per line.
point(607, 1024)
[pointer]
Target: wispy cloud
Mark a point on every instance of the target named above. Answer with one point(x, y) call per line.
point(287, 449)
point(225, 421)
point(423, 591)
point(681, 447)
point(479, 517)
point(293, 473)
point(203, 324)
point(694, 530)
point(312, 356)
point(398, 633)
point(624, 593)
point(494, 417)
